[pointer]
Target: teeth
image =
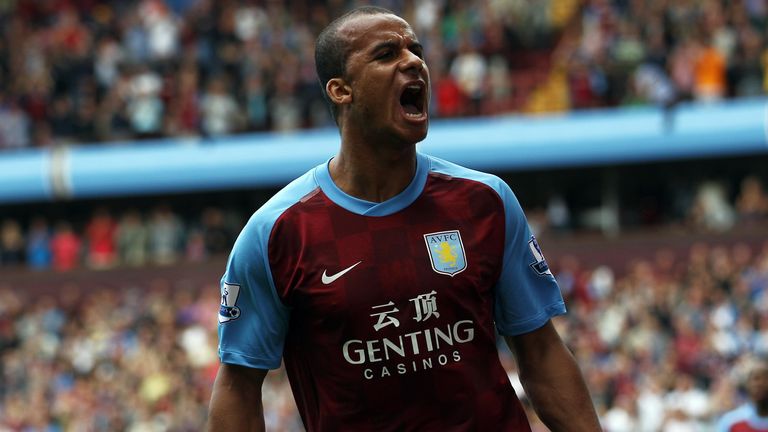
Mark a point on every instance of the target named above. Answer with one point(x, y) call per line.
point(414, 87)
point(414, 115)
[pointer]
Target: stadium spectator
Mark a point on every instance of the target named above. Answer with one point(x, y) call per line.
point(100, 233)
point(752, 201)
point(131, 238)
point(218, 108)
point(651, 84)
point(747, 70)
point(65, 247)
point(469, 69)
point(687, 405)
point(38, 245)
point(11, 243)
point(61, 119)
point(195, 250)
point(218, 237)
point(449, 98)
point(711, 209)
point(752, 416)
point(621, 416)
point(14, 124)
point(256, 102)
point(144, 107)
point(165, 235)
point(709, 75)
point(184, 108)
point(284, 108)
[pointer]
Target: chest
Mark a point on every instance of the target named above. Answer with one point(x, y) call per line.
point(429, 262)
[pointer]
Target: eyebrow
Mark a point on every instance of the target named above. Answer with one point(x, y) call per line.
point(393, 44)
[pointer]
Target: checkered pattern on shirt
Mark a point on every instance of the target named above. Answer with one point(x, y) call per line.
point(317, 235)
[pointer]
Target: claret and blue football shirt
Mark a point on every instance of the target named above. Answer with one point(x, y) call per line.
point(386, 314)
point(745, 418)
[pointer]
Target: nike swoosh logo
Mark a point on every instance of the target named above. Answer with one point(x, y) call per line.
point(329, 279)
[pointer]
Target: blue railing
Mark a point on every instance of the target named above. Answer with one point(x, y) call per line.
point(507, 143)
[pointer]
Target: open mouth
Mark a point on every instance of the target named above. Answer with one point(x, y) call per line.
point(412, 100)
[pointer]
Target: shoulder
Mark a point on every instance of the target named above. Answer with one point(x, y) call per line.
point(261, 222)
point(731, 418)
point(443, 167)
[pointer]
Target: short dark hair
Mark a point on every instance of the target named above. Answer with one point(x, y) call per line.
point(332, 51)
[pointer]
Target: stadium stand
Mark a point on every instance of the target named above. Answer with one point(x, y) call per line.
point(107, 301)
point(87, 71)
point(663, 331)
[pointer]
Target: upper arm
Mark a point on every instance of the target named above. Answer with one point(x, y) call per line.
point(527, 294)
point(236, 399)
point(239, 378)
point(534, 347)
point(553, 381)
point(253, 320)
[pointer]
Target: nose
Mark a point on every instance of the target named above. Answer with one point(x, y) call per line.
point(412, 63)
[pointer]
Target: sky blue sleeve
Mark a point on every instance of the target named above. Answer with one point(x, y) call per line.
point(252, 320)
point(745, 412)
point(527, 295)
point(723, 424)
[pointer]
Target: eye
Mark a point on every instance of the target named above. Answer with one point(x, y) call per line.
point(385, 55)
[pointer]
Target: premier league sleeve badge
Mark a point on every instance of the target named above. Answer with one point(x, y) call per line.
point(228, 311)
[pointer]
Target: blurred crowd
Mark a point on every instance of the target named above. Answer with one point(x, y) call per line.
point(708, 205)
point(664, 343)
point(86, 71)
point(137, 359)
point(665, 346)
point(162, 235)
point(664, 339)
point(662, 52)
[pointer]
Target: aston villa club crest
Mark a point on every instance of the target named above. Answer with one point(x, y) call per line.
point(228, 311)
point(446, 252)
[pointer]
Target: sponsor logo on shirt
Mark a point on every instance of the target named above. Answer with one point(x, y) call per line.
point(326, 279)
point(228, 311)
point(430, 347)
point(446, 252)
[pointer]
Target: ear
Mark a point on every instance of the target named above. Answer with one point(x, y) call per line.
point(338, 91)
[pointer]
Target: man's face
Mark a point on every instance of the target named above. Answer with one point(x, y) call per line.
point(388, 79)
point(757, 384)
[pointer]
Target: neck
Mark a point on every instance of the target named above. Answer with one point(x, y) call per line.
point(373, 174)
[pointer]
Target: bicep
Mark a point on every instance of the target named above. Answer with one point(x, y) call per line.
point(236, 399)
point(526, 294)
point(236, 376)
point(535, 346)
